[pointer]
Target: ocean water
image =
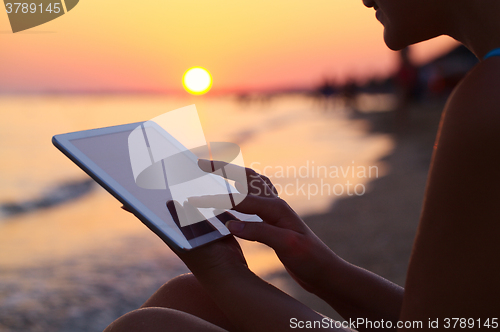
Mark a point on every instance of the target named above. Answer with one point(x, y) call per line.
point(65, 241)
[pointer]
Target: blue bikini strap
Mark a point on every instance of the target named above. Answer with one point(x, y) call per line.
point(495, 52)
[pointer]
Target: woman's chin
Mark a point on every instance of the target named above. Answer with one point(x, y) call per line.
point(396, 40)
point(395, 44)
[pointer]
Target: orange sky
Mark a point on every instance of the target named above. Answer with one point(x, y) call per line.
point(123, 45)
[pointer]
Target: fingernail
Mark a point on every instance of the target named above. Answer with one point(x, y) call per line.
point(235, 226)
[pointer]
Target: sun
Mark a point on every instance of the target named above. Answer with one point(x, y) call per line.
point(197, 80)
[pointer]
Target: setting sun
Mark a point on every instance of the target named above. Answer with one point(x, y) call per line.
point(197, 80)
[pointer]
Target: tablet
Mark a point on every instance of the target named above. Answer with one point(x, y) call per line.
point(106, 154)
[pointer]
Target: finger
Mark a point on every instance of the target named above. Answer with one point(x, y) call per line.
point(220, 201)
point(242, 188)
point(269, 184)
point(211, 166)
point(258, 187)
point(226, 170)
point(255, 187)
point(269, 209)
point(246, 179)
point(279, 239)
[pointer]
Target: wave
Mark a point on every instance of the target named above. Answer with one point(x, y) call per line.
point(60, 194)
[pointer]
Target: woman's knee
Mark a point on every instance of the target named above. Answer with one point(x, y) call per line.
point(185, 293)
point(160, 320)
point(182, 284)
point(179, 290)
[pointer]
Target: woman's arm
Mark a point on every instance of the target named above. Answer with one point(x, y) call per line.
point(352, 291)
point(357, 293)
point(454, 271)
point(250, 303)
point(254, 305)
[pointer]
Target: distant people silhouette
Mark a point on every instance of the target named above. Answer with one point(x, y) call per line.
point(349, 93)
point(406, 81)
point(326, 93)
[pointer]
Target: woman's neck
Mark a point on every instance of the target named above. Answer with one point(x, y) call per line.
point(477, 25)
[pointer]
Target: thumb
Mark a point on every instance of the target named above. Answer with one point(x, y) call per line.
point(272, 236)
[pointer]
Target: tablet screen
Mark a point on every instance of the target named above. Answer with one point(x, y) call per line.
point(111, 153)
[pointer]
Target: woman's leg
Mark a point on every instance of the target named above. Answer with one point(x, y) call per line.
point(160, 320)
point(184, 293)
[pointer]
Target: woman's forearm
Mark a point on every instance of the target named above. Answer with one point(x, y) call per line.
point(253, 304)
point(357, 293)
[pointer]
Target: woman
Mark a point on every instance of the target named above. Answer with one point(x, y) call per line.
point(453, 272)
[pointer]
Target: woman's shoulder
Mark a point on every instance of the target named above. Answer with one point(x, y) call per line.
point(474, 106)
point(479, 91)
point(485, 73)
point(457, 237)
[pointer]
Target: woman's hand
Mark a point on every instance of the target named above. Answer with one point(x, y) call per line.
point(303, 254)
point(221, 256)
point(250, 303)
